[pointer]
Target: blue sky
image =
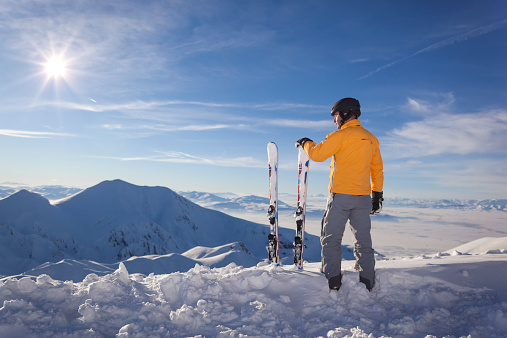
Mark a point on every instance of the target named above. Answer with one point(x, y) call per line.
point(186, 94)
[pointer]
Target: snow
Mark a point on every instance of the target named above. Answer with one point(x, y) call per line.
point(482, 245)
point(223, 286)
point(442, 295)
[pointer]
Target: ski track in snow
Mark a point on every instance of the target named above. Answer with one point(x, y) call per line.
point(445, 295)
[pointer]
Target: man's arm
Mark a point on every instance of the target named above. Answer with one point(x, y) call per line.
point(322, 151)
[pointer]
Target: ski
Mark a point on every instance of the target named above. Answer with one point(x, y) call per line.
point(273, 241)
point(299, 239)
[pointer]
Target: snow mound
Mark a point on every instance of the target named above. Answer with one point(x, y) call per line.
point(77, 270)
point(444, 296)
point(482, 246)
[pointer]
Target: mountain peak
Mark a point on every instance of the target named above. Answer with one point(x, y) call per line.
point(26, 197)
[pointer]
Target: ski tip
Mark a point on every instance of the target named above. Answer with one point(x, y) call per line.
point(272, 145)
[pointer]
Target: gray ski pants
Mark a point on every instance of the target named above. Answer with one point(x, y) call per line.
point(341, 208)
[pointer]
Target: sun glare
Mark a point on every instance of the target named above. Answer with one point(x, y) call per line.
point(55, 67)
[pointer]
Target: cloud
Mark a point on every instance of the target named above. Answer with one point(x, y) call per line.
point(32, 134)
point(169, 128)
point(464, 151)
point(423, 106)
point(178, 115)
point(118, 38)
point(460, 176)
point(147, 105)
point(445, 133)
point(181, 157)
point(447, 42)
point(463, 37)
point(486, 174)
point(293, 123)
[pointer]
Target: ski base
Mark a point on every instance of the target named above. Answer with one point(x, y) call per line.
point(299, 239)
point(273, 241)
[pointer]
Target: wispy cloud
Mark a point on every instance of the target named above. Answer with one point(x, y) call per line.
point(447, 42)
point(446, 100)
point(32, 134)
point(169, 128)
point(178, 115)
point(121, 38)
point(484, 175)
point(445, 133)
point(294, 123)
point(146, 105)
point(181, 157)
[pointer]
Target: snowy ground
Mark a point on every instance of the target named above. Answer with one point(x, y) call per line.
point(447, 294)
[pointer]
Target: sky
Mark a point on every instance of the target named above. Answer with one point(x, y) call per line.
point(186, 94)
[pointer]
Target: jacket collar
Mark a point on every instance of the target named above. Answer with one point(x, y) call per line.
point(351, 123)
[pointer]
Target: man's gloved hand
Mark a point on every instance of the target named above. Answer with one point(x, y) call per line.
point(301, 142)
point(376, 201)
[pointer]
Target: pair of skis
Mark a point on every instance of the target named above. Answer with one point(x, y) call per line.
point(273, 238)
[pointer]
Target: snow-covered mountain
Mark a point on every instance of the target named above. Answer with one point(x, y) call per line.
point(317, 203)
point(115, 220)
point(488, 204)
point(51, 192)
point(250, 203)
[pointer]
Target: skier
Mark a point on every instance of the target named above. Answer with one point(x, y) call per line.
point(356, 170)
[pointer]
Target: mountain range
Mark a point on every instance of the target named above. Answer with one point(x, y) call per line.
point(232, 202)
point(117, 221)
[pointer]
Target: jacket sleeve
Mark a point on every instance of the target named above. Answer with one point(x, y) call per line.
point(377, 170)
point(322, 151)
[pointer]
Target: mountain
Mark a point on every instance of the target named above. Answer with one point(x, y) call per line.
point(316, 203)
point(488, 204)
point(51, 192)
point(250, 203)
point(116, 220)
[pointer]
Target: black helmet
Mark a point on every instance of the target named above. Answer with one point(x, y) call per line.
point(346, 107)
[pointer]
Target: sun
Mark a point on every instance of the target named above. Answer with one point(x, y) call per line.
point(55, 67)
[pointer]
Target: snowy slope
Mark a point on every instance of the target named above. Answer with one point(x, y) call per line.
point(77, 270)
point(482, 245)
point(115, 220)
point(438, 296)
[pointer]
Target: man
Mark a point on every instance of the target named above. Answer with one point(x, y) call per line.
point(356, 170)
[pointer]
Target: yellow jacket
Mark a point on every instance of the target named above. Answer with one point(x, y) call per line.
point(356, 159)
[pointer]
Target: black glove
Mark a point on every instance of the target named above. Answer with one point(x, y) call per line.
point(376, 201)
point(301, 142)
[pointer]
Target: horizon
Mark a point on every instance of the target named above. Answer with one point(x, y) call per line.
point(187, 95)
point(17, 187)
